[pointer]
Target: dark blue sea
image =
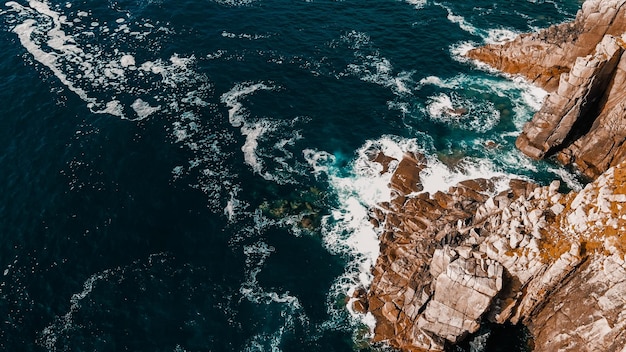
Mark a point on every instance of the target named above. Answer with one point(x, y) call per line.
point(193, 175)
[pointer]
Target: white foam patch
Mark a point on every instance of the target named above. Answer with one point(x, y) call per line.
point(378, 70)
point(57, 40)
point(233, 207)
point(489, 36)
point(87, 70)
point(263, 130)
point(418, 4)
point(500, 35)
point(439, 177)
point(236, 112)
point(570, 179)
point(253, 131)
point(247, 36)
point(466, 113)
point(371, 67)
point(356, 40)
point(143, 109)
point(526, 99)
point(108, 78)
point(459, 50)
point(113, 107)
point(459, 20)
point(127, 60)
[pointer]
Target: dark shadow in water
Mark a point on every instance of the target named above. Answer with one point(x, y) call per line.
point(498, 338)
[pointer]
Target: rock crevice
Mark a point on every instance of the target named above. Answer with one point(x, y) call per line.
point(581, 63)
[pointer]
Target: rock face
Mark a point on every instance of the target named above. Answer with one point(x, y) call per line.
point(527, 254)
point(574, 102)
point(543, 56)
point(582, 64)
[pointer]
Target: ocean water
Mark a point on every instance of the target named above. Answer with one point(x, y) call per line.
point(194, 176)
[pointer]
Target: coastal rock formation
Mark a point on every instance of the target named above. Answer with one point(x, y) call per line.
point(543, 56)
point(523, 254)
point(512, 252)
point(582, 65)
point(578, 94)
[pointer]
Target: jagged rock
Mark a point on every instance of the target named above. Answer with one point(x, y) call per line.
point(568, 111)
point(463, 293)
point(542, 57)
point(528, 259)
point(588, 313)
point(406, 179)
point(603, 146)
point(582, 64)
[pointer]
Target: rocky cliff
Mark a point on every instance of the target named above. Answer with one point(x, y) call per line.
point(527, 254)
point(582, 65)
point(484, 251)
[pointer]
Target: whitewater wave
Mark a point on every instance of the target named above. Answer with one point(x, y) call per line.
point(371, 67)
point(460, 20)
point(463, 112)
point(276, 135)
point(418, 4)
point(111, 80)
point(489, 36)
point(466, 91)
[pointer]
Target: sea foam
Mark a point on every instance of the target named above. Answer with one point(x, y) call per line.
point(347, 231)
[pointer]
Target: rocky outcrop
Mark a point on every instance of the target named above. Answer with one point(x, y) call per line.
point(527, 254)
point(582, 64)
point(571, 108)
point(542, 57)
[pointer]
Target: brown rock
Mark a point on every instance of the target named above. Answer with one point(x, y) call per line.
point(383, 160)
point(567, 113)
point(504, 259)
point(542, 57)
point(405, 179)
point(582, 64)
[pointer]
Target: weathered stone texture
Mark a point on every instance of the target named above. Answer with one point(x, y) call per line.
point(530, 255)
point(582, 65)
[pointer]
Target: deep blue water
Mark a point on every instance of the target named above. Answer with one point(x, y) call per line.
point(158, 158)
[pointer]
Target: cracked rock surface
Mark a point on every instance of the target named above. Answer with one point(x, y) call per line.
point(525, 254)
point(582, 65)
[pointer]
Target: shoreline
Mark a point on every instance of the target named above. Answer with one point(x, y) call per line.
point(453, 260)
